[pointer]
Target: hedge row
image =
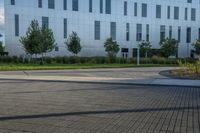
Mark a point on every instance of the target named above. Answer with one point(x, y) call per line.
point(91, 60)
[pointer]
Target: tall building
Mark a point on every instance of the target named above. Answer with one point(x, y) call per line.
point(126, 21)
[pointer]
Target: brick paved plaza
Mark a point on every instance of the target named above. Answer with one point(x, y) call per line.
point(49, 107)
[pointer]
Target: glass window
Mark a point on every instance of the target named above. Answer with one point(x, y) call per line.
point(139, 32)
point(45, 22)
point(65, 27)
point(64, 4)
point(186, 13)
point(193, 14)
point(12, 2)
point(189, 1)
point(75, 5)
point(176, 13)
point(199, 34)
point(40, 3)
point(162, 32)
point(144, 10)
point(16, 25)
point(101, 6)
point(170, 32)
point(97, 30)
point(108, 6)
point(135, 9)
point(179, 34)
point(188, 40)
point(158, 11)
point(51, 4)
point(113, 30)
point(90, 5)
point(168, 12)
point(147, 32)
point(127, 31)
point(125, 8)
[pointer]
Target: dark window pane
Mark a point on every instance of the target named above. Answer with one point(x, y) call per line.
point(97, 30)
point(158, 11)
point(65, 27)
point(45, 22)
point(16, 25)
point(108, 6)
point(64, 4)
point(144, 10)
point(75, 5)
point(51, 4)
point(113, 30)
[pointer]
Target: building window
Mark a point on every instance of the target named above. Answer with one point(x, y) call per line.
point(97, 31)
point(125, 8)
point(135, 9)
point(199, 34)
point(139, 32)
point(127, 31)
point(144, 10)
point(40, 3)
point(90, 5)
point(168, 12)
point(75, 5)
point(65, 27)
point(45, 22)
point(162, 32)
point(56, 48)
point(101, 6)
point(16, 25)
point(188, 34)
point(179, 34)
point(51, 4)
point(189, 1)
point(124, 52)
point(193, 14)
point(147, 32)
point(170, 32)
point(12, 2)
point(176, 13)
point(186, 13)
point(158, 11)
point(113, 30)
point(64, 4)
point(108, 6)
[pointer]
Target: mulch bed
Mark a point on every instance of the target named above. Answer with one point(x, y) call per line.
point(177, 74)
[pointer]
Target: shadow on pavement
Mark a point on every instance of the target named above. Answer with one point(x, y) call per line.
point(6, 118)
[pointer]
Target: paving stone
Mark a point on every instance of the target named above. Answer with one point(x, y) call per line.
point(50, 107)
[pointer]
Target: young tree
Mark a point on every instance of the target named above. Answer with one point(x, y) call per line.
point(38, 40)
point(47, 43)
point(73, 43)
point(145, 47)
point(169, 47)
point(197, 48)
point(112, 48)
point(31, 42)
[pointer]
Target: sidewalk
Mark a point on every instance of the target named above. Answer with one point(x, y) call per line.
point(106, 80)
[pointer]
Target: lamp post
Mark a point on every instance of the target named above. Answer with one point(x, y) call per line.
point(138, 53)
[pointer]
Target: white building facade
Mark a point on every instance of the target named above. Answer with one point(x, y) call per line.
point(126, 21)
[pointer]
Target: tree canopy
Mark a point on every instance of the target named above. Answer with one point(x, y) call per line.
point(38, 40)
point(73, 43)
point(169, 47)
point(111, 46)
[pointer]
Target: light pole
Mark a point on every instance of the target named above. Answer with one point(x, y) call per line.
point(138, 53)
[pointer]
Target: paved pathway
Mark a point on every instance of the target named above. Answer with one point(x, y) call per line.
point(50, 107)
point(144, 76)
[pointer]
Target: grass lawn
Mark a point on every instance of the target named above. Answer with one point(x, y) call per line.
point(16, 67)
